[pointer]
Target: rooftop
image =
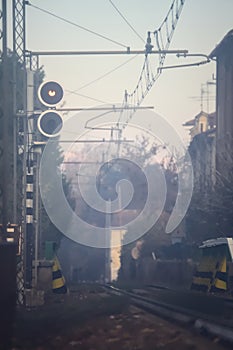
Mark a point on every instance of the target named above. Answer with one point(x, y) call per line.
point(210, 116)
point(226, 42)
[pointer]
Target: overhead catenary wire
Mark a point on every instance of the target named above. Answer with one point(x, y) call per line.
point(147, 77)
point(124, 18)
point(85, 96)
point(76, 25)
point(98, 79)
point(105, 74)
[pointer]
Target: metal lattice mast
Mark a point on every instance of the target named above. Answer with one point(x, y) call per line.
point(19, 100)
point(19, 29)
point(20, 134)
point(5, 101)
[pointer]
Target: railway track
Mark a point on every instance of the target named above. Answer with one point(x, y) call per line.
point(205, 321)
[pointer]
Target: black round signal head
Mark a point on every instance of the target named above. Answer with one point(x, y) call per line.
point(50, 123)
point(50, 93)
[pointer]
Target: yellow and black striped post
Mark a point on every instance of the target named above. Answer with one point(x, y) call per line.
point(59, 284)
point(211, 275)
point(221, 276)
point(203, 277)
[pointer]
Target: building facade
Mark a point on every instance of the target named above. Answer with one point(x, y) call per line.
point(202, 150)
point(223, 54)
point(201, 123)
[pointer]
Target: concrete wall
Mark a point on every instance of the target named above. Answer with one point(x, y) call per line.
point(170, 273)
point(44, 276)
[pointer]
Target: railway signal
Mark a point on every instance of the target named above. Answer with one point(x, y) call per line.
point(50, 93)
point(50, 122)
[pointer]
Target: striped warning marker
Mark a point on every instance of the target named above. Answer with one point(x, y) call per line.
point(59, 284)
point(203, 277)
point(220, 281)
point(211, 275)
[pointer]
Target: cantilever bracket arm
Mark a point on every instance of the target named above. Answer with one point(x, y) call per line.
point(207, 60)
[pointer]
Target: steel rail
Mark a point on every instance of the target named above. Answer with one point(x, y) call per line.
point(182, 315)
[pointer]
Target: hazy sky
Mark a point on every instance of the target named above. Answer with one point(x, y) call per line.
point(202, 25)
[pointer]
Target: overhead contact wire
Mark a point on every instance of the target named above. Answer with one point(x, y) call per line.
point(85, 96)
point(106, 74)
point(115, 7)
point(77, 25)
point(169, 31)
